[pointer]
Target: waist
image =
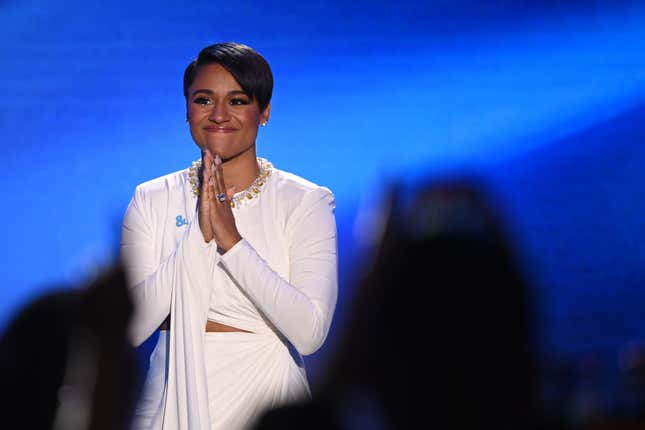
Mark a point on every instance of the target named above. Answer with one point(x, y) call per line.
point(211, 326)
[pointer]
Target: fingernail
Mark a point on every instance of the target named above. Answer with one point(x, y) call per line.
point(218, 160)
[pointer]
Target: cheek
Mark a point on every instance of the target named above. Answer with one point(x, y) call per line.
point(194, 112)
point(251, 120)
point(197, 135)
point(195, 115)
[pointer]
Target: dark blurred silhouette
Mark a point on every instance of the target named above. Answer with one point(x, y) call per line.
point(65, 362)
point(441, 334)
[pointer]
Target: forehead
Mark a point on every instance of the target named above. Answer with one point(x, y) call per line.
point(214, 77)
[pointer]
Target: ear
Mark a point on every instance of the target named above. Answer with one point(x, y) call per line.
point(264, 116)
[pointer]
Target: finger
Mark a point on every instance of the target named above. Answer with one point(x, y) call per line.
point(219, 175)
point(207, 156)
point(230, 192)
point(207, 160)
point(212, 179)
point(205, 204)
point(214, 192)
point(206, 178)
point(214, 172)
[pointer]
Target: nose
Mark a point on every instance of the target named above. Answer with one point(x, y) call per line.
point(219, 112)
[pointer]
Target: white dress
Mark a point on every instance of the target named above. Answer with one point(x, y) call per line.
point(279, 283)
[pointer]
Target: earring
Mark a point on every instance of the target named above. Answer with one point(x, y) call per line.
point(186, 120)
point(263, 124)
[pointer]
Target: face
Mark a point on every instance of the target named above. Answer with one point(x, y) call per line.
point(222, 117)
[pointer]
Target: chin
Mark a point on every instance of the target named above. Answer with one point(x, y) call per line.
point(227, 150)
point(216, 148)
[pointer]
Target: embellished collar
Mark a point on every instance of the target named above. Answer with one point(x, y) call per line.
point(241, 197)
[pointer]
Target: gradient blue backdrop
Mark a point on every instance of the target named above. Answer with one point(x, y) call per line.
point(542, 99)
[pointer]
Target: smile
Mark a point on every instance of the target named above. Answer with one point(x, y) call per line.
point(219, 129)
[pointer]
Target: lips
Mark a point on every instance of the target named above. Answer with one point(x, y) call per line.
point(219, 129)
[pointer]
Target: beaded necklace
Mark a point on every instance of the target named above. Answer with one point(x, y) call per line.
point(238, 199)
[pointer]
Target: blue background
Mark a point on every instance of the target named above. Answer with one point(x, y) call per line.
point(543, 100)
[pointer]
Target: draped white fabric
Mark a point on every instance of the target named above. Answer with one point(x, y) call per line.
point(279, 282)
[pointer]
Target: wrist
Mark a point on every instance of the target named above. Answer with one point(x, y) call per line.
point(225, 246)
point(207, 234)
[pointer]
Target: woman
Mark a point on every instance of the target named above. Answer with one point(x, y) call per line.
point(235, 261)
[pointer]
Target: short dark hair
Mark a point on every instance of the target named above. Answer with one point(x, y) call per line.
point(248, 67)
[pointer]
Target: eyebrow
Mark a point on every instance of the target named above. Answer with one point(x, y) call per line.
point(211, 92)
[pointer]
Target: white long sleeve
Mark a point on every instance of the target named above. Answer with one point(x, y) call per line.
point(169, 269)
point(301, 308)
point(151, 282)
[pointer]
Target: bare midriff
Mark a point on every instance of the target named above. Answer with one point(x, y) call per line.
point(210, 326)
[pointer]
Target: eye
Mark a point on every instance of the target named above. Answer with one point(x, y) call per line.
point(239, 101)
point(202, 101)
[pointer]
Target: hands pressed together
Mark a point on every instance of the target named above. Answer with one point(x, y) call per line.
point(216, 219)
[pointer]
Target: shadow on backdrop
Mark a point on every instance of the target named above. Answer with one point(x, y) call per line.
point(65, 363)
point(442, 326)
